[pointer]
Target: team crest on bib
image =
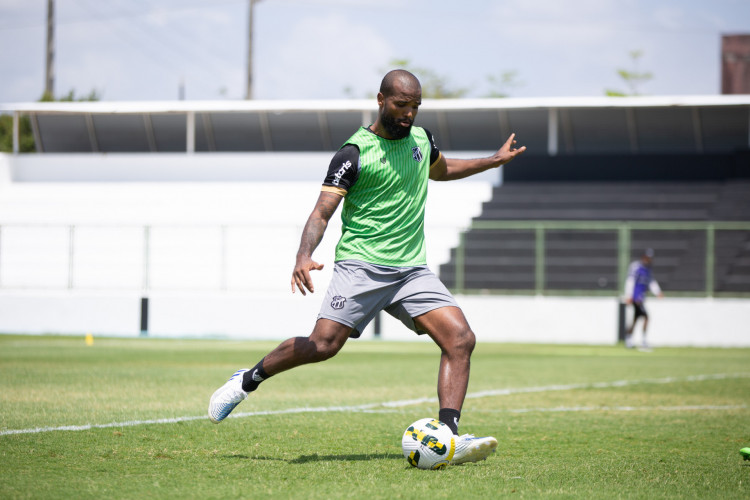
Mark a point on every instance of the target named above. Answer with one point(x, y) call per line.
point(416, 153)
point(338, 302)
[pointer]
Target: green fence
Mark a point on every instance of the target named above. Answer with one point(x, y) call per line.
point(625, 253)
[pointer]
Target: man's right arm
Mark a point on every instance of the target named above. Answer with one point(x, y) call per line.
point(629, 287)
point(630, 282)
point(343, 172)
point(312, 235)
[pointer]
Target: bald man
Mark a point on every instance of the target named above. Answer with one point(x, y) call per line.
point(381, 175)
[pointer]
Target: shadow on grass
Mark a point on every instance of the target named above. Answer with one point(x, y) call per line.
point(304, 459)
point(345, 458)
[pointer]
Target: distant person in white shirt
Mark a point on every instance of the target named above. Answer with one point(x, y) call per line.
point(638, 283)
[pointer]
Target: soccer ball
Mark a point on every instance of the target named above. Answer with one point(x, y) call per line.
point(428, 444)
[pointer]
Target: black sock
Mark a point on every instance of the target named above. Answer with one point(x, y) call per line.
point(450, 417)
point(253, 377)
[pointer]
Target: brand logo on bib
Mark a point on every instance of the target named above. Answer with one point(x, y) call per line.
point(416, 153)
point(344, 167)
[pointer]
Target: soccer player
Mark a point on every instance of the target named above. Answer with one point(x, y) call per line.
point(381, 174)
point(637, 284)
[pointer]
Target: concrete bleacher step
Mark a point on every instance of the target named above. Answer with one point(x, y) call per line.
point(603, 197)
point(487, 261)
point(733, 267)
point(733, 202)
point(584, 259)
point(601, 201)
point(594, 214)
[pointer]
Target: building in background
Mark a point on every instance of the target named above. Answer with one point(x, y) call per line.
point(735, 64)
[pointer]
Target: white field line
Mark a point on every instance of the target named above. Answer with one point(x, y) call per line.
point(563, 409)
point(412, 402)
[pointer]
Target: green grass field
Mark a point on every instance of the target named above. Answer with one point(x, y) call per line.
point(125, 418)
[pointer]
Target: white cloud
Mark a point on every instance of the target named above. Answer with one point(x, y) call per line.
point(317, 48)
point(317, 57)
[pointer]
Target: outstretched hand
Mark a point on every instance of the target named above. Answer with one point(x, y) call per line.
point(301, 274)
point(507, 152)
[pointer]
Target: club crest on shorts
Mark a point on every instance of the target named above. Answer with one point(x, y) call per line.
point(338, 302)
point(416, 153)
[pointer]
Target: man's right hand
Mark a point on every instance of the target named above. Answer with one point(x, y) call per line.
point(301, 274)
point(311, 236)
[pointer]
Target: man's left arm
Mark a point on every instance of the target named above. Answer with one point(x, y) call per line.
point(448, 169)
point(655, 288)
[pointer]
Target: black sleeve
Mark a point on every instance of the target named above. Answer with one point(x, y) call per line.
point(434, 151)
point(343, 171)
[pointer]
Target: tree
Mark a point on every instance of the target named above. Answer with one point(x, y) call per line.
point(93, 95)
point(501, 84)
point(434, 86)
point(632, 78)
point(25, 134)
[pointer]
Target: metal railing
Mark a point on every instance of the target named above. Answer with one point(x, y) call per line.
point(625, 253)
point(144, 258)
point(244, 257)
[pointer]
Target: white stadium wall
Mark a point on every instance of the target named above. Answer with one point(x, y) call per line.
point(262, 202)
point(594, 321)
point(554, 320)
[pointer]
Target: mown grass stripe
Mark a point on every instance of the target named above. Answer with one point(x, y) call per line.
point(573, 409)
point(404, 403)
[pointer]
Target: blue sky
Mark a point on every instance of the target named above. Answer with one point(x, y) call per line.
point(327, 49)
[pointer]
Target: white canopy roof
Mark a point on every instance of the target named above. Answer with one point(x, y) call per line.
point(550, 126)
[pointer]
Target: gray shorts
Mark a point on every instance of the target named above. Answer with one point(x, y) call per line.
point(359, 290)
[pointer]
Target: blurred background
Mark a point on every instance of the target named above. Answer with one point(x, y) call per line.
point(332, 49)
point(160, 158)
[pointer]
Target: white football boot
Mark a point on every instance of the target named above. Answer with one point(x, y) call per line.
point(472, 449)
point(226, 397)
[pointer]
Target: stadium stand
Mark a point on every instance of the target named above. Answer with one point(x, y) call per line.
point(632, 189)
point(196, 207)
